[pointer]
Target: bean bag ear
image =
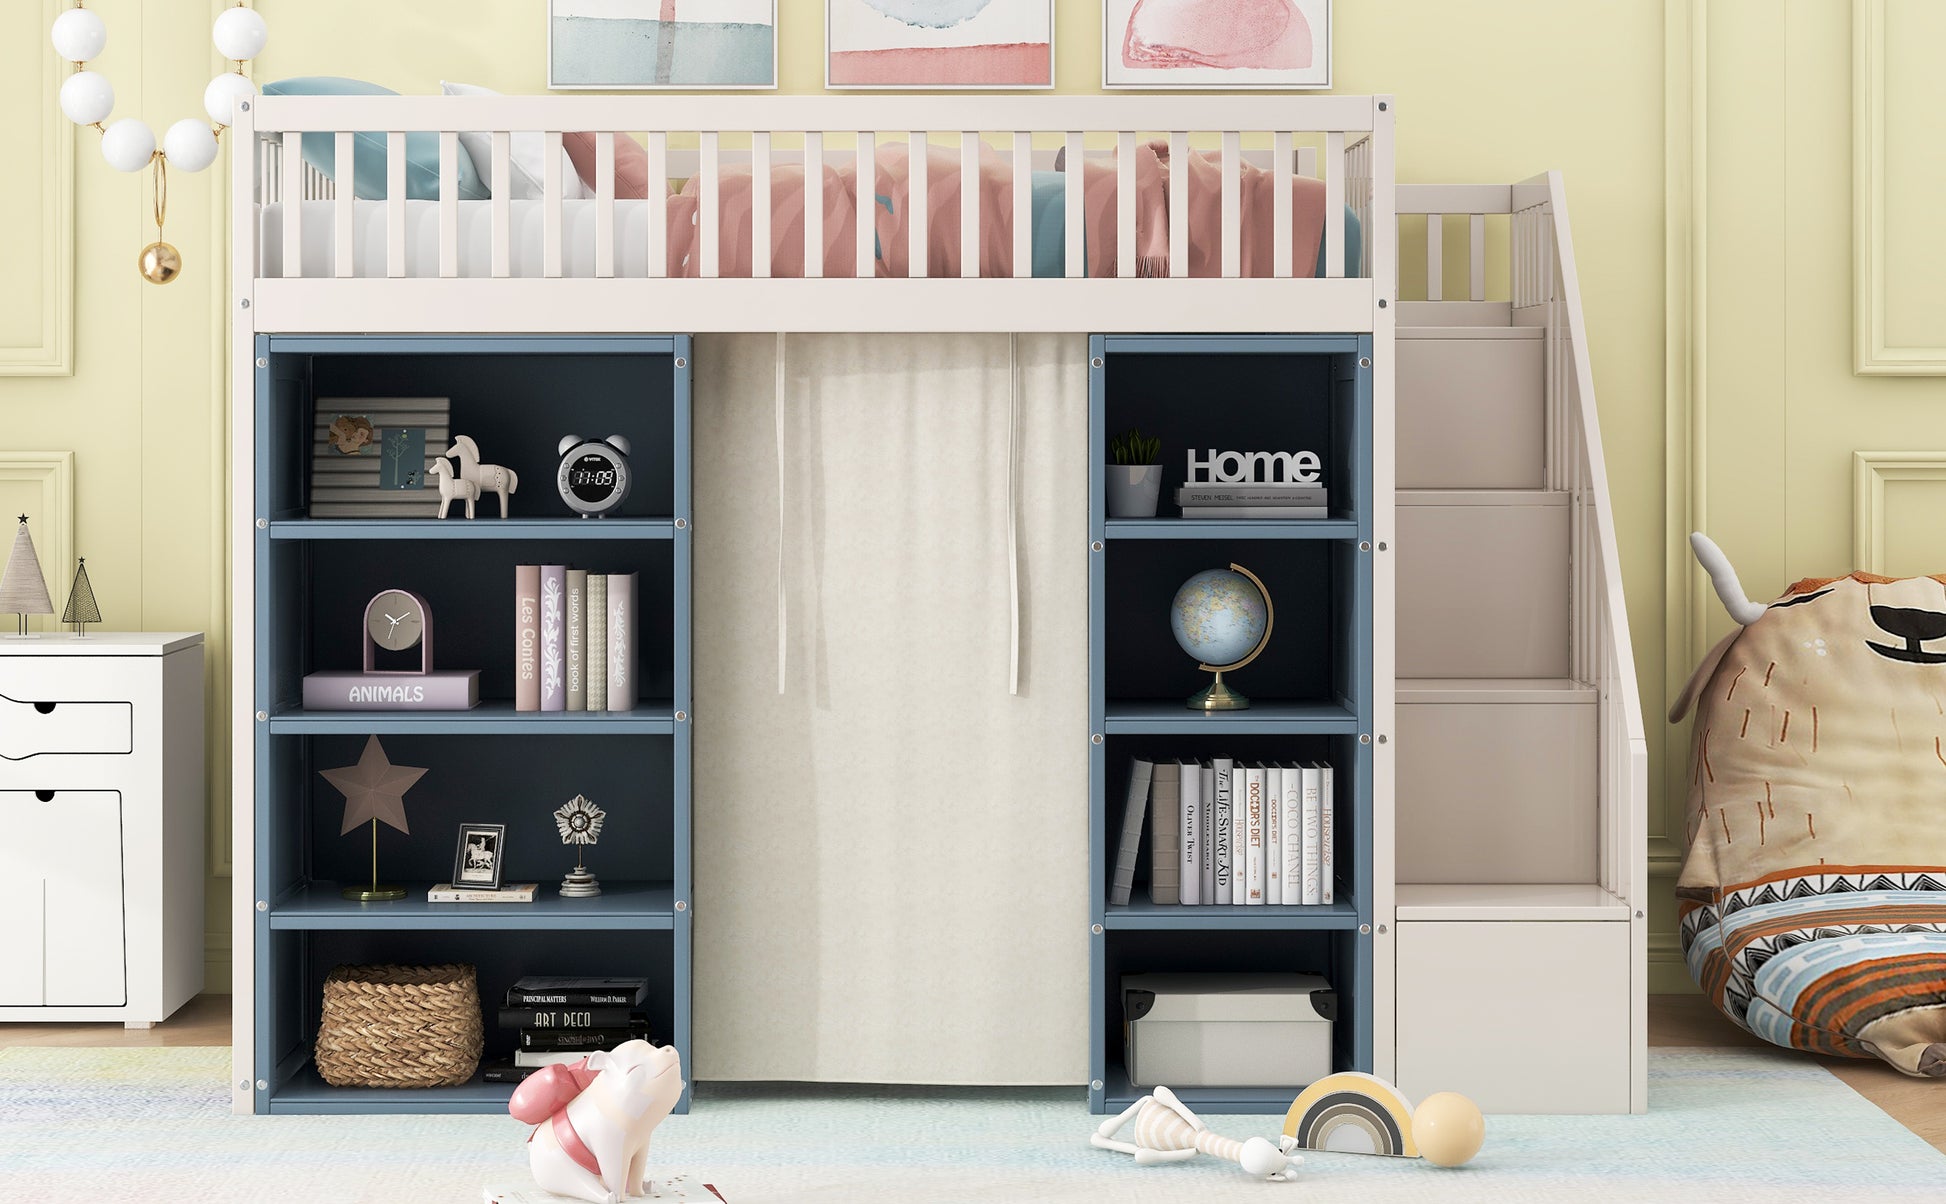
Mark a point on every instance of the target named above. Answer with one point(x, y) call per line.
point(1813, 893)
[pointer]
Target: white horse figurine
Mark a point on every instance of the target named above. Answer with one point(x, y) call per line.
point(487, 478)
point(1167, 1131)
point(451, 487)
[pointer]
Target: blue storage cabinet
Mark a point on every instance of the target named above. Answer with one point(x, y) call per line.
point(516, 396)
point(1311, 691)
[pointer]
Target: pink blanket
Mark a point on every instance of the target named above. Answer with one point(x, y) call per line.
point(892, 216)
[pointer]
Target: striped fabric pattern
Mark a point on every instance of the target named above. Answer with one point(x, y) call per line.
point(1846, 961)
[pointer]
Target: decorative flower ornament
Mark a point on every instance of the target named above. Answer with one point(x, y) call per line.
point(579, 821)
point(88, 98)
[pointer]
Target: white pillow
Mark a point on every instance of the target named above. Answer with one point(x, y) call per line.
point(526, 162)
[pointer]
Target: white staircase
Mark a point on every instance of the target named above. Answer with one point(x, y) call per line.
point(1521, 757)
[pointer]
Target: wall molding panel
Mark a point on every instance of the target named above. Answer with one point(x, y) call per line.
point(50, 177)
point(1870, 472)
point(1874, 354)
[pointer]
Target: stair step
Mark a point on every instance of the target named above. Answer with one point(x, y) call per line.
point(1508, 901)
point(1471, 411)
point(1482, 586)
point(1496, 780)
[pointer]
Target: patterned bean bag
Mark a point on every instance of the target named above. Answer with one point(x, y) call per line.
point(1813, 897)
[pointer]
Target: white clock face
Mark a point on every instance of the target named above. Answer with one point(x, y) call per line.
point(396, 621)
point(593, 478)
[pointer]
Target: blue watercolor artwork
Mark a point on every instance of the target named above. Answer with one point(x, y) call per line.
point(628, 44)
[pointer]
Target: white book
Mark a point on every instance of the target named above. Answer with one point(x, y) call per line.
point(1191, 794)
point(1273, 833)
point(1139, 772)
point(1239, 835)
point(1206, 811)
point(1222, 850)
point(1292, 803)
point(1313, 783)
point(1253, 849)
point(1327, 810)
point(536, 1058)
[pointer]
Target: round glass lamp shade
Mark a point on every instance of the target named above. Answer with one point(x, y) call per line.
point(220, 98)
point(189, 144)
point(87, 96)
point(79, 35)
point(239, 33)
point(128, 145)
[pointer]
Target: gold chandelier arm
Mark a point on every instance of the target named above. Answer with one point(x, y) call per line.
point(161, 168)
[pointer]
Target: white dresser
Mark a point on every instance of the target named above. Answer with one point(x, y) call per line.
point(102, 812)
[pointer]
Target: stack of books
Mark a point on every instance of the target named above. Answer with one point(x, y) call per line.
point(574, 639)
point(566, 1019)
point(1229, 832)
point(512, 892)
point(1253, 501)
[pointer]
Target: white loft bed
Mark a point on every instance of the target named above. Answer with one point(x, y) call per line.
point(567, 280)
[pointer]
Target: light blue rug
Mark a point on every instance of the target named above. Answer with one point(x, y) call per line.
point(153, 1125)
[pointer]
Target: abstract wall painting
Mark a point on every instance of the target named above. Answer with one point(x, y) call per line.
point(1263, 44)
point(639, 45)
point(939, 44)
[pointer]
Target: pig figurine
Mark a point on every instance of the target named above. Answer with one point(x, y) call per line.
point(593, 1118)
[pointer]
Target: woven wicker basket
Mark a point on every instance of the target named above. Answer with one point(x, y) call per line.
point(400, 1026)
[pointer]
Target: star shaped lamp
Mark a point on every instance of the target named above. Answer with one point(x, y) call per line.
point(374, 790)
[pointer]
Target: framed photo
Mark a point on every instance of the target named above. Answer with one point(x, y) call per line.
point(476, 864)
point(960, 44)
point(1208, 44)
point(643, 45)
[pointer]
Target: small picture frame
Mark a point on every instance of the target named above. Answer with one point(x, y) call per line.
point(476, 863)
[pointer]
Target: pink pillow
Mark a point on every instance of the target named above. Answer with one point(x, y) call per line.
point(631, 164)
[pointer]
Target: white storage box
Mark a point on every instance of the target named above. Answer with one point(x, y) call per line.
point(1228, 1030)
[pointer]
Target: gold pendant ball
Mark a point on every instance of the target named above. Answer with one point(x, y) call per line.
point(160, 263)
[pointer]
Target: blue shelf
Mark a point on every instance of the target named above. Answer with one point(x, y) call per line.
point(631, 906)
point(498, 718)
point(479, 528)
point(1119, 1095)
point(1232, 528)
point(1175, 917)
point(305, 1093)
point(1162, 717)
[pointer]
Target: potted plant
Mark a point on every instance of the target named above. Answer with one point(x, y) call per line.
point(1134, 475)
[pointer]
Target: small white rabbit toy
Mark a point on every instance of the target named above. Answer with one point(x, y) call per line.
point(1167, 1131)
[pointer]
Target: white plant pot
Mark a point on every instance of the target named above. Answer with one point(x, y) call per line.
point(1133, 490)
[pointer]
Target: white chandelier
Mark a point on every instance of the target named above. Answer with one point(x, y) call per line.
point(129, 144)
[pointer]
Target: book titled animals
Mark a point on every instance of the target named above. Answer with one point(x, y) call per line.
point(574, 639)
point(1225, 832)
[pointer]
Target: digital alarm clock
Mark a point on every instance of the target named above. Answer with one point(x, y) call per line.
point(594, 478)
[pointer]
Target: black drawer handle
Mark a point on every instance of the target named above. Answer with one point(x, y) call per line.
point(45, 796)
point(45, 708)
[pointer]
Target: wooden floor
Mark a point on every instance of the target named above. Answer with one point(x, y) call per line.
point(1678, 1020)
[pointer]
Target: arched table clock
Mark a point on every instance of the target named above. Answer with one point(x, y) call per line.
point(396, 620)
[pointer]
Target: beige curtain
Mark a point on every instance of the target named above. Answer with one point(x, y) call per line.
point(891, 844)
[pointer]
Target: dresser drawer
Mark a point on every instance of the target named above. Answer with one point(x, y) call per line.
point(61, 706)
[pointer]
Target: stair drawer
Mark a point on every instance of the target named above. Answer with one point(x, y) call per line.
point(1482, 584)
point(1520, 1016)
point(57, 710)
point(1497, 791)
point(1471, 413)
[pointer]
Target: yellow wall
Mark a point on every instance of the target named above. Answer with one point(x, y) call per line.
point(1486, 92)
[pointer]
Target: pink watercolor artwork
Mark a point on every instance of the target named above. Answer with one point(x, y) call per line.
point(1217, 43)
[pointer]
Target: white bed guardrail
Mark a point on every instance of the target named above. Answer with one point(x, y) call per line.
point(1348, 126)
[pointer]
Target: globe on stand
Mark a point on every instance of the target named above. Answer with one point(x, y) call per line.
point(1222, 617)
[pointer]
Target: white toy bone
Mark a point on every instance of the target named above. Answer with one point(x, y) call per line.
point(451, 487)
point(1167, 1131)
point(487, 478)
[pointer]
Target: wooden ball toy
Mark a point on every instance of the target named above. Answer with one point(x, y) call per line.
point(1448, 1129)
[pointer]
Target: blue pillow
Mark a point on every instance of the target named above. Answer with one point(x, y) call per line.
point(368, 149)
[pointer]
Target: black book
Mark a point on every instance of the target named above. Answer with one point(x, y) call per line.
point(540, 991)
point(569, 1017)
point(580, 1040)
point(504, 1072)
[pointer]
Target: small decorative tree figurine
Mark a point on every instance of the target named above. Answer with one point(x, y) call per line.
point(580, 824)
point(23, 590)
point(81, 601)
